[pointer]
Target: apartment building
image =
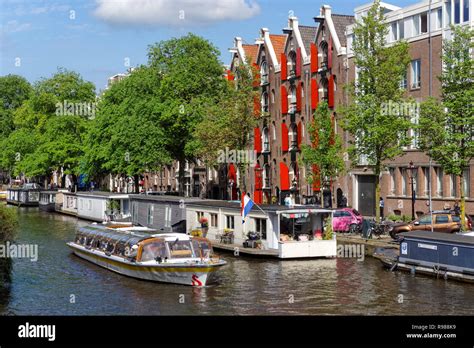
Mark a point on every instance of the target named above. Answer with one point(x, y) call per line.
point(423, 25)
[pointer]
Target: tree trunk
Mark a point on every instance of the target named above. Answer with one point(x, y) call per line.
point(463, 201)
point(182, 163)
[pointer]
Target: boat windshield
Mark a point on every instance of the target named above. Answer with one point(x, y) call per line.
point(202, 248)
point(180, 248)
point(153, 251)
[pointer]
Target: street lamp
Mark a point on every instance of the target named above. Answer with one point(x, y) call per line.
point(412, 173)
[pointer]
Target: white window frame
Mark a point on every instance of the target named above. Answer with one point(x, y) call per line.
point(415, 76)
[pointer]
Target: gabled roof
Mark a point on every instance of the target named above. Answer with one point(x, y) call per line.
point(308, 35)
point(340, 23)
point(278, 42)
point(251, 52)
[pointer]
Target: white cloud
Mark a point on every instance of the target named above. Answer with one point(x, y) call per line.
point(14, 27)
point(174, 12)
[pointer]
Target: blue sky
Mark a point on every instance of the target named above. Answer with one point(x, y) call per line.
point(98, 37)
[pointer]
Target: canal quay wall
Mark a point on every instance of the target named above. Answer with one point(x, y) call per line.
point(370, 245)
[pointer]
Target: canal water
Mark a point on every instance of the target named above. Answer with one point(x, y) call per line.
point(59, 283)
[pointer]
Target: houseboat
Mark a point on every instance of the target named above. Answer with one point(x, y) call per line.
point(66, 202)
point(103, 206)
point(26, 196)
point(164, 213)
point(448, 256)
point(47, 200)
point(271, 231)
point(139, 253)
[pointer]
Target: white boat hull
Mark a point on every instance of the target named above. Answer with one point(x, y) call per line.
point(195, 274)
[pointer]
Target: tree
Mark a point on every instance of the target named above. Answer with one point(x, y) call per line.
point(49, 127)
point(447, 126)
point(229, 122)
point(378, 135)
point(190, 76)
point(126, 136)
point(325, 154)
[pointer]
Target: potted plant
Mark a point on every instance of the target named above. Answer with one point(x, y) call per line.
point(204, 226)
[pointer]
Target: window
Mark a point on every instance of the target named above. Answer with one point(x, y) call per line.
point(439, 18)
point(264, 102)
point(214, 222)
point(416, 74)
point(261, 228)
point(441, 219)
point(403, 173)
point(401, 29)
point(293, 136)
point(424, 23)
point(229, 222)
point(466, 11)
point(426, 175)
point(393, 31)
point(167, 216)
point(404, 81)
point(425, 220)
point(265, 140)
point(439, 182)
point(266, 176)
point(199, 215)
point(466, 180)
point(264, 73)
point(151, 208)
point(457, 11)
point(392, 180)
point(416, 25)
point(452, 185)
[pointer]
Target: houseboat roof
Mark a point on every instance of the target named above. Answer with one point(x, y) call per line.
point(164, 198)
point(103, 194)
point(50, 192)
point(439, 237)
point(278, 209)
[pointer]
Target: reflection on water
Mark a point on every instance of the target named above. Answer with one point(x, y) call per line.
point(246, 287)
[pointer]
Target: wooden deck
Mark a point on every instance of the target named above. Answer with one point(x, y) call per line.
point(234, 248)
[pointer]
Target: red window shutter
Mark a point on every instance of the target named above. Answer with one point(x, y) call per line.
point(316, 179)
point(284, 177)
point(230, 76)
point(299, 136)
point(331, 91)
point(330, 53)
point(298, 62)
point(284, 100)
point(257, 108)
point(284, 67)
point(314, 94)
point(256, 78)
point(257, 140)
point(314, 58)
point(284, 137)
point(298, 97)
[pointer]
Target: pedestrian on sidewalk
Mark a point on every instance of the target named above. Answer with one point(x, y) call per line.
point(381, 206)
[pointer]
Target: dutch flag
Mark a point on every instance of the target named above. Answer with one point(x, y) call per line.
point(247, 205)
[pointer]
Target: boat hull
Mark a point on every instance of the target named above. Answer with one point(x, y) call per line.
point(184, 274)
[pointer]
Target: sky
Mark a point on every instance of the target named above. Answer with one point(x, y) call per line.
point(100, 38)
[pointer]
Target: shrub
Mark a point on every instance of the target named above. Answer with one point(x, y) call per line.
point(8, 223)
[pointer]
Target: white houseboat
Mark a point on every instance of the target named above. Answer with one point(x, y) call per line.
point(47, 200)
point(137, 252)
point(275, 230)
point(103, 206)
point(66, 202)
point(27, 195)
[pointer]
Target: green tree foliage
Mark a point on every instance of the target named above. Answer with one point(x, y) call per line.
point(47, 135)
point(229, 122)
point(190, 76)
point(378, 135)
point(8, 223)
point(447, 126)
point(126, 136)
point(326, 150)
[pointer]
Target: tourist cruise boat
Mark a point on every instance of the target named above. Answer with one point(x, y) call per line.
point(138, 252)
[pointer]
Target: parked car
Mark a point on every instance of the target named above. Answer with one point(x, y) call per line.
point(443, 221)
point(344, 217)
